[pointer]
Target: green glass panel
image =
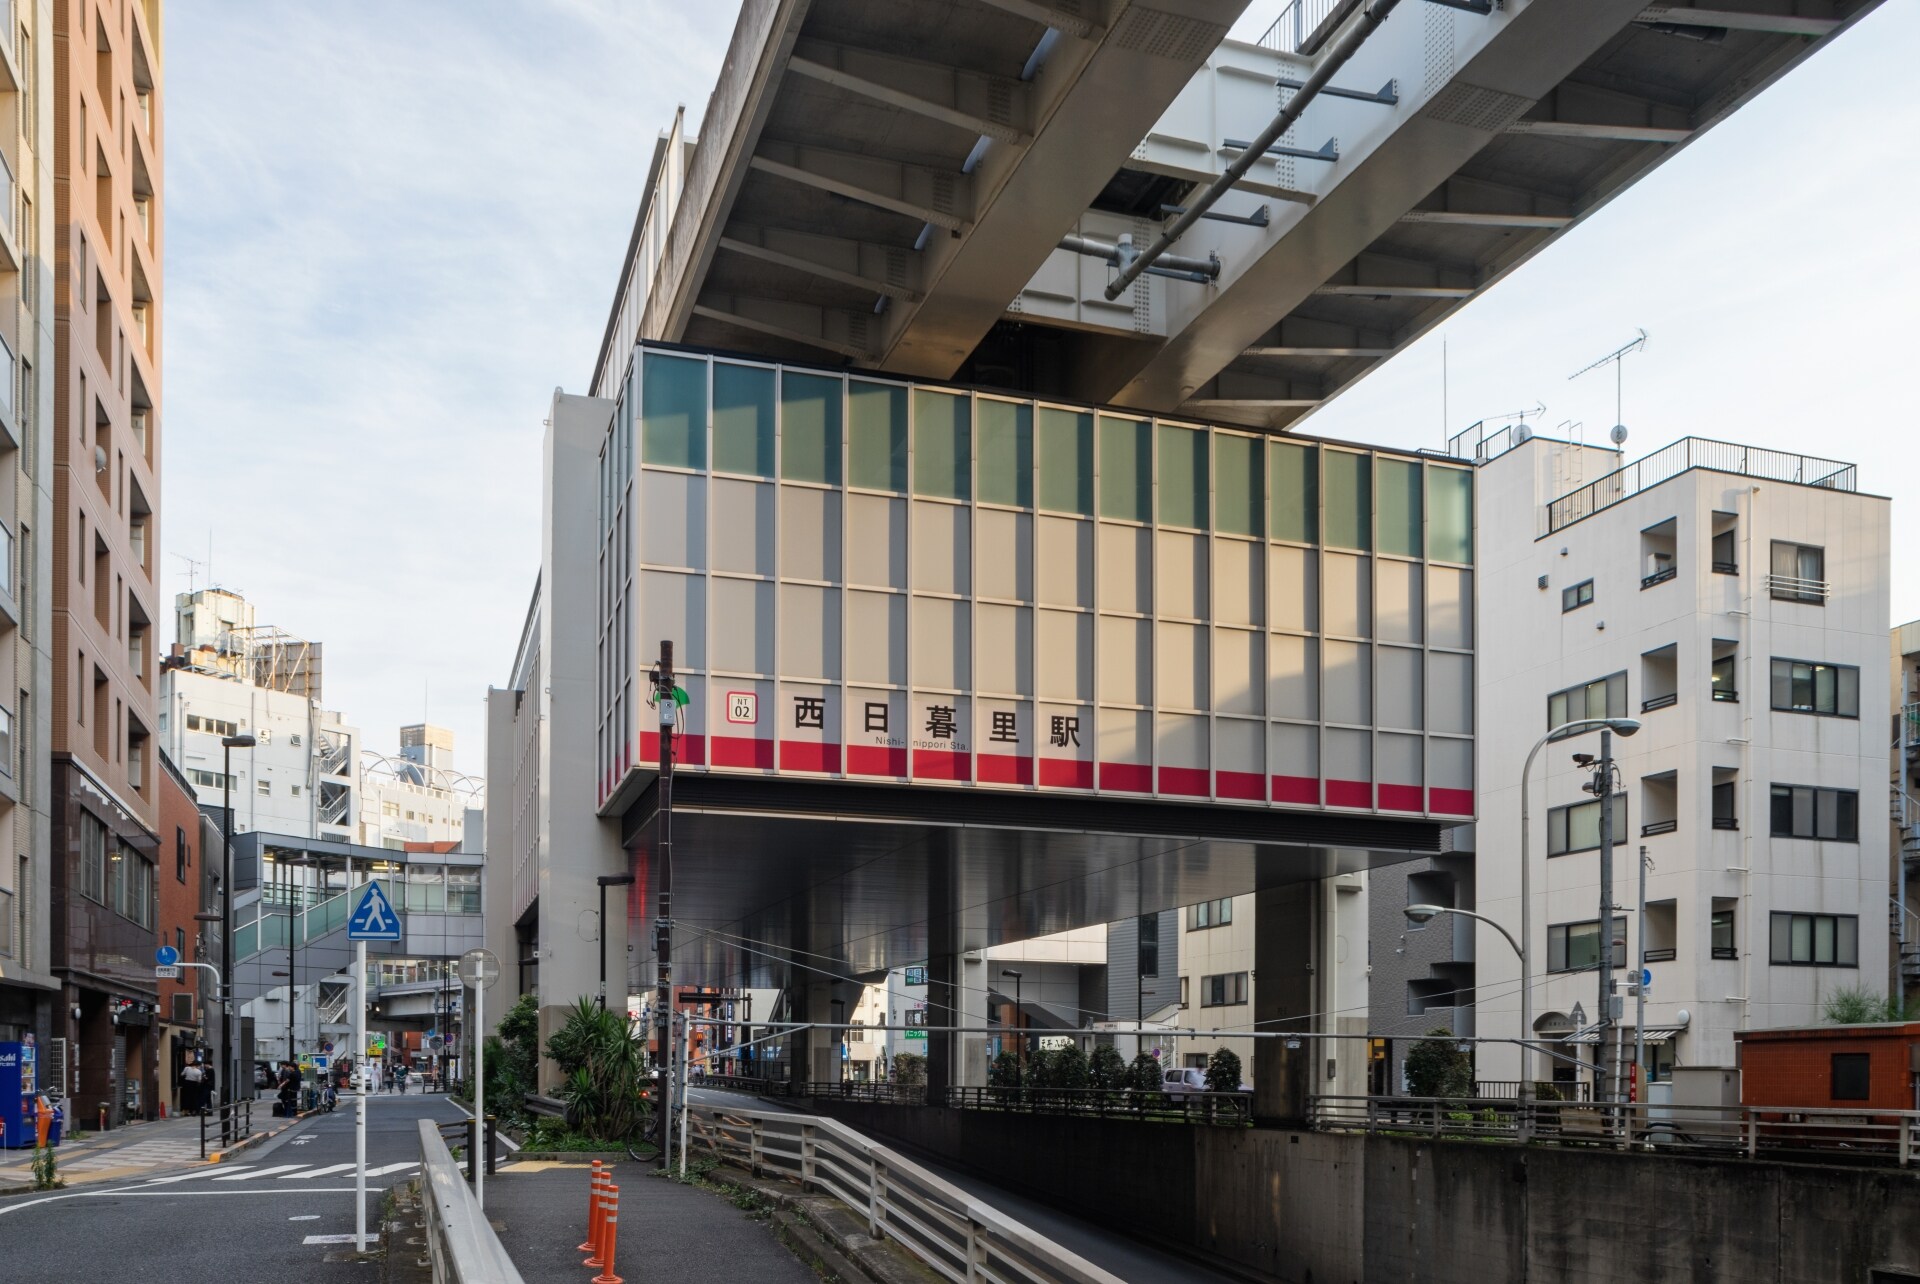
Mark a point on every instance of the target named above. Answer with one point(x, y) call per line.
point(942, 445)
point(1296, 491)
point(877, 435)
point(742, 419)
point(1006, 452)
point(1399, 507)
point(246, 940)
point(1450, 515)
point(673, 412)
point(1238, 506)
point(1183, 477)
point(1349, 500)
point(1126, 469)
point(1066, 461)
point(810, 428)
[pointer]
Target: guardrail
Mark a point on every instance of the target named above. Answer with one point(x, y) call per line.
point(958, 1237)
point(460, 1242)
point(1868, 1135)
point(229, 1124)
point(1698, 452)
point(1222, 1109)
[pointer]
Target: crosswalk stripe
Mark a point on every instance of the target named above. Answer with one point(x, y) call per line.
point(193, 1176)
point(393, 1168)
point(318, 1172)
point(264, 1172)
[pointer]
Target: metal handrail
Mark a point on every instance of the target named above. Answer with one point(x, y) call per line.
point(1697, 452)
point(957, 1236)
point(230, 1123)
point(1224, 1109)
point(460, 1242)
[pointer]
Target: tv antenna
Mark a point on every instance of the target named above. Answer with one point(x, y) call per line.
point(194, 567)
point(1617, 359)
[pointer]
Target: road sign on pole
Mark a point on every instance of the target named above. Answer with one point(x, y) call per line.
point(166, 956)
point(164, 973)
point(373, 917)
point(480, 969)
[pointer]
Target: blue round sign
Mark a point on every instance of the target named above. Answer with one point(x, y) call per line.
point(166, 956)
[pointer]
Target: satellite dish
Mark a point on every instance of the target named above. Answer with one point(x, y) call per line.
point(1618, 435)
point(1522, 432)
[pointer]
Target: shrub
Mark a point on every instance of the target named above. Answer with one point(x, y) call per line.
point(1223, 1071)
point(1107, 1069)
point(604, 1064)
point(1858, 1005)
point(1070, 1067)
point(1040, 1070)
point(909, 1070)
point(1004, 1072)
point(1436, 1068)
point(1144, 1074)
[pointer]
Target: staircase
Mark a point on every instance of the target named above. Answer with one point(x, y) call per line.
point(1904, 810)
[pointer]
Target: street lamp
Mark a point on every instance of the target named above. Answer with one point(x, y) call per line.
point(1018, 1015)
point(228, 744)
point(1620, 727)
point(606, 881)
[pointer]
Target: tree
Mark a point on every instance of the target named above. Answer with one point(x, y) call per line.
point(1144, 1074)
point(1107, 1069)
point(1437, 1068)
point(1040, 1073)
point(1004, 1072)
point(1070, 1067)
point(909, 1070)
point(1223, 1071)
point(603, 1064)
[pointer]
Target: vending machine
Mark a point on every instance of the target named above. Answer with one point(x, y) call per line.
point(19, 1090)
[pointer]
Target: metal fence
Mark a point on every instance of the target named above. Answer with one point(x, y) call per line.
point(460, 1242)
point(1543, 1090)
point(1698, 452)
point(955, 1235)
point(1869, 1136)
point(1304, 25)
point(226, 1125)
point(1222, 1109)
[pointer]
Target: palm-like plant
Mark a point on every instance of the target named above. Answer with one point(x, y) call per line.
point(604, 1062)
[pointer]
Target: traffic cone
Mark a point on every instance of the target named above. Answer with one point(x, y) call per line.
point(610, 1236)
point(593, 1209)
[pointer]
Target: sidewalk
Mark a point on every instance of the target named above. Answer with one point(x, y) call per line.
point(667, 1230)
point(127, 1151)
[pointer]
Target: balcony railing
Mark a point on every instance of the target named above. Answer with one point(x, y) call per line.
point(1653, 827)
point(1726, 822)
point(1659, 577)
point(1662, 956)
point(1666, 701)
point(1697, 452)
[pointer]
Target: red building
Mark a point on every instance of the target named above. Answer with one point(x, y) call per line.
point(1842, 1067)
point(186, 1020)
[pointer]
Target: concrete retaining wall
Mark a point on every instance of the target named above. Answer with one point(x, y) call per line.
point(1333, 1208)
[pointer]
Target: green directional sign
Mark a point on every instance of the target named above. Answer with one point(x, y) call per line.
point(376, 1047)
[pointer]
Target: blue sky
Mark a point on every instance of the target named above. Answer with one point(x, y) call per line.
point(393, 229)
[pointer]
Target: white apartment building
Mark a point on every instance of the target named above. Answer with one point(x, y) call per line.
point(1730, 598)
point(416, 797)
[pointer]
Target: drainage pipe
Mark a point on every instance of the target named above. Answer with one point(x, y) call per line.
point(1123, 254)
point(1370, 18)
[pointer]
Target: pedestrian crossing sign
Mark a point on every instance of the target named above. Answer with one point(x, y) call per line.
point(373, 918)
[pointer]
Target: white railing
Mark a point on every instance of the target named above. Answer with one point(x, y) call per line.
point(957, 1236)
point(460, 1242)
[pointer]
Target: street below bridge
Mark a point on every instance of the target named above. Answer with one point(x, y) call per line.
point(281, 1210)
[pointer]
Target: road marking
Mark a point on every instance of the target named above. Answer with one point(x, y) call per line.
point(195, 1176)
point(305, 1217)
point(393, 1168)
point(347, 1238)
point(125, 1193)
point(264, 1172)
point(318, 1172)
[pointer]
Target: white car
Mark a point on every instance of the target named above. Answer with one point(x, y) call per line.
point(1181, 1084)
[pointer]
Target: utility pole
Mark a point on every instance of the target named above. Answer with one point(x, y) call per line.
point(665, 698)
point(1603, 785)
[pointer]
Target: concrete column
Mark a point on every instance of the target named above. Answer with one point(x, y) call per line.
point(1284, 993)
point(943, 973)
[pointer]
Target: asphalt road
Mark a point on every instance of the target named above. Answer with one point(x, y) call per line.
point(247, 1219)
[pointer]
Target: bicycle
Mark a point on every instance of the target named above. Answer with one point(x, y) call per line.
point(641, 1133)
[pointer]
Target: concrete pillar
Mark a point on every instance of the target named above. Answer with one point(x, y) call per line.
point(1284, 993)
point(943, 973)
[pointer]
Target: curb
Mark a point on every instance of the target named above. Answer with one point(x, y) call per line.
point(247, 1142)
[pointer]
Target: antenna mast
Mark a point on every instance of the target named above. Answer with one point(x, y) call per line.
point(1618, 360)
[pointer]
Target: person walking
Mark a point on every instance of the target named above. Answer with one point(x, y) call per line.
point(400, 1077)
point(191, 1078)
point(288, 1084)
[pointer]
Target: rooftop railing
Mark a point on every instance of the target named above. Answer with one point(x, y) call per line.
point(1304, 25)
point(1698, 452)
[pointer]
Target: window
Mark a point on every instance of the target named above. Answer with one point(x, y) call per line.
point(1724, 814)
point(810, 428)
point(1720, 932)
point(295, 789)
point(1852, 1076)
point(1005, 462)
point(916, 1016)
point(1725, 560)
point(1800, 811)
point(673, 411)
point(1815, 940)
point(1802, 686)
point(1349, 500)
point(917, 975)
point(742, 419)
point(1066, 461)
point(1725, 685)
point(1575, 947)
point(182, 854)
point(1239, 506)
point(1225, 990)
point(263, 787)
point(1400, 515)
point(294, 740)
point(877, 435)
point(1182, 484)
point(1799, 573)
point(1576, 826)
point(1575, 596)
point(208, 779)
point(1450, 514)
point(1183, 993)
point(1600, 698)
point(1126, 469)
point(1294, 483)
point(93, 859)
point(1209, 914)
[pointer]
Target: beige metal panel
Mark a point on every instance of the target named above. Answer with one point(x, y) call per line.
point(1349, 595)
point(1181, 740)
point(876, 637)
point(1183, 577)
point(1006, 554)
point(673, 519)
point(1450, 764)
point(1066, 655)
point(1181, 660)
point(1066, 561)
point(1346, 681)
point(1399, 698)
point(1239, 672)
point(1450, 692)
point(1295, 750)
point(1126, 736)
point(809, 533)
point(743, 526)
point(809, 631)
point(743, 620)
point(1399, 759)
point(1401, 615)
point(941, 653)
point(1449, 607)
point(1125, 660)
point(1006, 649)
point(675, 606)
point(1239, 582)
point(1126, 568)
point(1294, 574)
point(1240, 744)
point(878, 556)
point(1349, 754)
point(1294, 689)
point(942, 548)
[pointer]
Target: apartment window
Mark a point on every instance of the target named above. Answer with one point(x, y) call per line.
point(93, 859)
point(390, 809)
point(1601, 698)
point(1575, 947)
point(1576, 826)
point(182, 854)
point(1725, 795)
point(1815, 940)
point(1802, 686)
point(1801, 811)
point(7, 914)
point(1575, 596)
point(1852, 1076)
point(1725, 556)
point(1210, 914)
point(1657, 564)
point(295, 789)
point(1720, 932)
point(212, 726)
point(1799, 573)
point(1183, 994)
point(1725, 685)
point(264, 788)
point(208, 779)
point(1224, 990)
